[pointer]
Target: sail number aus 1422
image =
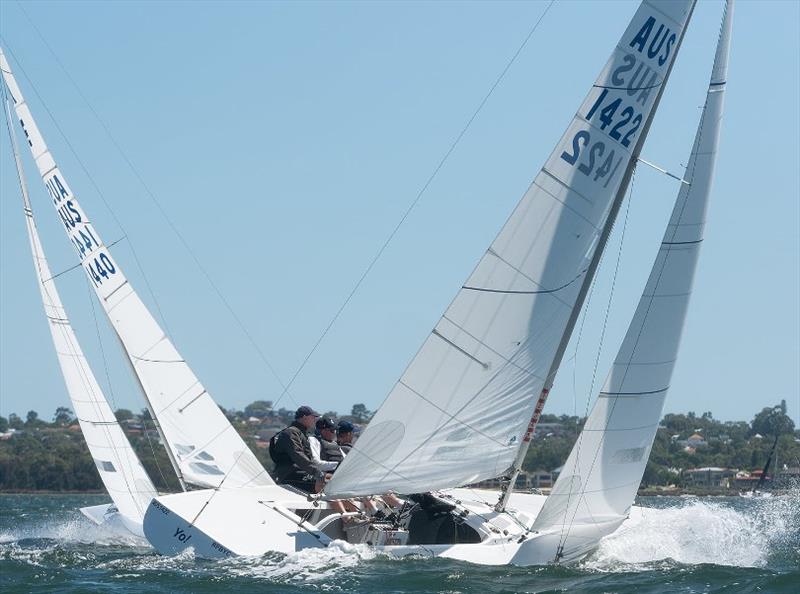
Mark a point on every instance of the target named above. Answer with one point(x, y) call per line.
point(623, 123)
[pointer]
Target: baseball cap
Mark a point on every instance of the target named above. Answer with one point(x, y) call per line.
point(325, 423)
point(304, 411)
point(345, 427)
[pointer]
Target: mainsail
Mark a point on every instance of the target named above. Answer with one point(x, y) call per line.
point(599, 481)
point(460, 411)
point(205, 449)
point(122, 473)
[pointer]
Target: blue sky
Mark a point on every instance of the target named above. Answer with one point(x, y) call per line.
point(285, 140)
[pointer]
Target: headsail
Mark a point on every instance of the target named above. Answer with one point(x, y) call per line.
point(599, 481)
point(122, 473)
point(460, 411)
point(204, 446)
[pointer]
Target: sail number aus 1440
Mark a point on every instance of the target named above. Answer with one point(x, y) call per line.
point(99, 268)
point(624, 125)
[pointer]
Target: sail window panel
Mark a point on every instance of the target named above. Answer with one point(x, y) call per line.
point(105, 465)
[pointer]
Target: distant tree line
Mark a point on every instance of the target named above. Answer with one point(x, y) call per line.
point(37, 455)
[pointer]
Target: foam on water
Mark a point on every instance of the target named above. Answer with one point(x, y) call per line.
point(309, 565)
point(76, 529)
point(702, 531)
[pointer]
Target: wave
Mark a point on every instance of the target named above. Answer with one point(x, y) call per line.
point(703, 531)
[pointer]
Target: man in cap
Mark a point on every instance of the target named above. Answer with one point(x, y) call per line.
point(344, 436)
point(324, 449)
point(291, 452)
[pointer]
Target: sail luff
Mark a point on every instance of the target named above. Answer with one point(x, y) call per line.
point(601, 476)
point(508, 486)
point(176, 468)
point(207, 448)
point(461, 407)
point(118, 466)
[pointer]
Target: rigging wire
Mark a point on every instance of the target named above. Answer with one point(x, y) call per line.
point(416, 199)
point(152, 197)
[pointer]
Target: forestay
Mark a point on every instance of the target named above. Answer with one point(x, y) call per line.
point(122, 473)
point(599, 481)
point(204, 445)
point(460, 410)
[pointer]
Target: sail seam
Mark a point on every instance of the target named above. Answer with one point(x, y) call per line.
point(107, 297)
point(568, 187)
point(653, 7)
point(560, 201)
point(452, 416)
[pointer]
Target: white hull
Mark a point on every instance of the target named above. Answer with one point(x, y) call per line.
point(252, 522)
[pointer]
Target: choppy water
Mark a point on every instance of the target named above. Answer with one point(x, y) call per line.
point(691, 545)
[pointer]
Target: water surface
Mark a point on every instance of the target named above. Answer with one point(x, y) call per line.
point(691, 545)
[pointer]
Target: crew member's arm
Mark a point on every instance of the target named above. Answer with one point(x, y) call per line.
point(319, 463)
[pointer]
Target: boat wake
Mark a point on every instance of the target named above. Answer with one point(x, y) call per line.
point(703, 531)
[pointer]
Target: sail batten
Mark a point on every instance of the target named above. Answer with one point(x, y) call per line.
point(185, 413)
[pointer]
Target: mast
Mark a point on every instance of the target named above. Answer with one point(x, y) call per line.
point(763, 476)
point(515, 469)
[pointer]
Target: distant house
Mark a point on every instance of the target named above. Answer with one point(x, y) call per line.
point(696, 441)
point(710, 476)
point(549, 430)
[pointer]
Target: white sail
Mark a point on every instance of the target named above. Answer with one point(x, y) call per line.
point(206, 449)
point(460, 410)
point(599, 481)
point(122, 473)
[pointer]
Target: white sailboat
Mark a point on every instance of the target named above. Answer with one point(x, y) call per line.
point(122, 473)
point(466, 407)
point(204, 449)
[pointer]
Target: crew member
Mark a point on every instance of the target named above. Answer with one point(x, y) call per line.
point(344, 436)
point(291, 451)
point(324, 449)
